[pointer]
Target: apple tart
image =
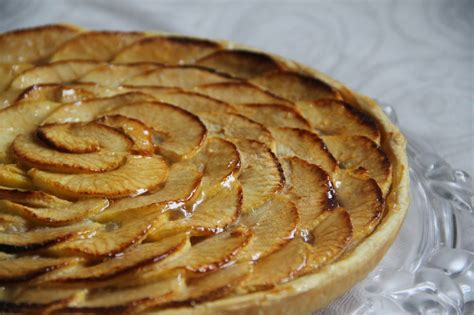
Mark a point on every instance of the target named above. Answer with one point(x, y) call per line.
point(152, 172)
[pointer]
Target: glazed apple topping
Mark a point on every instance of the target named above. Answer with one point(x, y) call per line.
point(142, 172)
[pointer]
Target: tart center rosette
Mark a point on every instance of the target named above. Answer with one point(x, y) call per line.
point(146, 172)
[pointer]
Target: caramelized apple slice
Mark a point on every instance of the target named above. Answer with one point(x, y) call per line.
point(211, 215)
point(240, 63)
point(183, 183)
point(194, 102)
point(93, 108)
point(182, 77)
point(14, 177)
point(41, 237)
point(113, 75)
point(36, 199)
point(15, 269)
point(305, 145)
point(100, 46)
point(21, 118)
point(274, 115)
point(216, 284)
point(212, 253)
point(12, 223)
point(131, 300)
point(8, 98)
point(358, 152)
point(261, 175)
point(136, 176)
point(240, 93)
point(55, 215)
point(65, 93)
point(9, 71)
point(33, 44)
point(132, 258)
point(279, 267)
point(58, 72)
point(134, 129)
point(83, 138)
point(219, 161)
point(34, 153)
point(310, 188)
point(180, 134)
point(114, 238)
point(40, 300)
point(169, 50)
point(330, 238)
point(363, 200)
point(350, 121)
point(295, 86)
point(229, 125)
point(273, 225)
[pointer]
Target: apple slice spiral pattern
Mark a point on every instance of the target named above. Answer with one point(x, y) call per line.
point(143, 172)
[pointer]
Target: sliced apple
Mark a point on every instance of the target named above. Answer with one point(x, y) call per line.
point(42, 237)
point(100, 46)
point(21, 118)
point(137, 176)
point(115, 237)
point(216, 284)
point(13, 223)
point(274, 115)
point(362, 198)
point(273, 225)
point(305, 145)
point(310, 188)
point(40, 300)
point(359, 152)
point(210, 254)
point(113, 75)
point(9, 71)
point(330, 239)
point(131, 300)
point(91, 109)
point(240, 63)
point(295, 86)
point(169, 50)
point(236, 126)
point(183, 183)
point(13, 176)
point(138, 132)
point(220, 163)
point(9, 97)
point(16, 269)
point(182, 77)
point(33, 44)
point(58, 72)
point(240, 93)
point(83, 138)
point(179, 133)
point(331, 117)
point(194, 102)
point(132, 258)
point(279, 267)
point(34, 153)
point(65, 93)
point(210, 215)
point(261, 175)
point(36, 199)
point(54, 215)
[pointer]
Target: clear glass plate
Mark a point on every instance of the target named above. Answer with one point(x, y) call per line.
point(430, 267)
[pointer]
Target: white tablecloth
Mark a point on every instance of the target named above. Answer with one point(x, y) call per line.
point(414, 55)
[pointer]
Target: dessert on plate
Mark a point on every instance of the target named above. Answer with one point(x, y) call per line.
point(153, 172)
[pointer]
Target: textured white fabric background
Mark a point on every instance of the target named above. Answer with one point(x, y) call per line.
point(417, 55)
